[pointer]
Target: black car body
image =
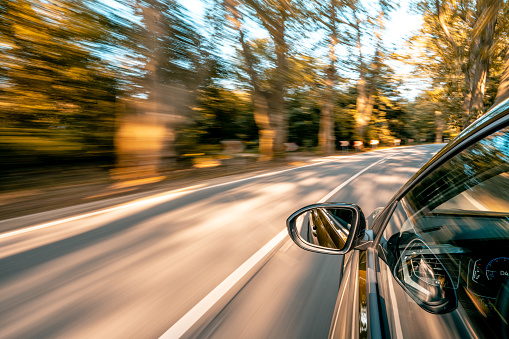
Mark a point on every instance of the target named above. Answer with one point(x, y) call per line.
point(435, 261)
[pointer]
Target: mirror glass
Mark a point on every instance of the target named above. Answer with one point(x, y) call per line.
point(325, 227)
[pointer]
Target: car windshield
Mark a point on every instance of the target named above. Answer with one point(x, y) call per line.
point(482, 197)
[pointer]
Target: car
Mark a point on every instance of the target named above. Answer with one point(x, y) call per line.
point(434, 263)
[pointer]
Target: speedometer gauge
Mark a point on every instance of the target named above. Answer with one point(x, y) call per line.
point(497, 268)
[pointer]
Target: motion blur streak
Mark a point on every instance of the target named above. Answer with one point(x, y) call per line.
point(135, 272)
point(106, 101)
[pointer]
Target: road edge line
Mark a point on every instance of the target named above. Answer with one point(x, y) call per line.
point(151, 199)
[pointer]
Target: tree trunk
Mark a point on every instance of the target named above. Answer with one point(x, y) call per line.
point(280, 121)
point(503, 86)
point(278, 112)
point(482, 41)
point(439, 124)
point(473, 103)
point(278, 117)
point(326, 140)
point(326, 134)
point(265, 132)
point(365, 99)
point(364, 108)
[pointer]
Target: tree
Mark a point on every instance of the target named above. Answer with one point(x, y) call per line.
point(503, 86)
point(368, 76)
point(328, 14)
point(461, 40)
point(355, 21)
point(174, 64)
point(224, 114)
point(270, 112)
point(52, 74)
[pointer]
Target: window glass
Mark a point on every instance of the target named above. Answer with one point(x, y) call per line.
point(459, 217)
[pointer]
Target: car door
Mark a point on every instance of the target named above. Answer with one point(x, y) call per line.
point(439, 266)
point(435, 262)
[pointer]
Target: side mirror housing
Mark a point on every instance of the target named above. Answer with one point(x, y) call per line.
point(331, 228)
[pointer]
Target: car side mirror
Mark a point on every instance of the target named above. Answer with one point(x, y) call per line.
point(332, 228)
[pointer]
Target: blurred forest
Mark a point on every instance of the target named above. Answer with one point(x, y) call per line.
point(140, 87)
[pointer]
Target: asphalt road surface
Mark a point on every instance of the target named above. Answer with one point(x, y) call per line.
point(207, 261)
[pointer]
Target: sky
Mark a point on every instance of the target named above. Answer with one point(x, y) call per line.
point(400, 27)
point(401, 24)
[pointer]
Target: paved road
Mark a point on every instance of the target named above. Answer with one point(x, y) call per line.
point(140, 270)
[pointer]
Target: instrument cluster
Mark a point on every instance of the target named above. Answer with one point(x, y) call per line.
point(486, 275)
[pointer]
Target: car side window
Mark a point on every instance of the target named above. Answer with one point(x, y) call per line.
point(447, 242)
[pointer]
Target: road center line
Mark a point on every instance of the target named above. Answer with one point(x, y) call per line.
point(193, 315)
point(336, 190)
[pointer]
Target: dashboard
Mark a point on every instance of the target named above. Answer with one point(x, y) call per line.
point(474, 249)
point(468, 253)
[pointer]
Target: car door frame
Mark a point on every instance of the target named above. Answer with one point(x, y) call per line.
point(493, 121)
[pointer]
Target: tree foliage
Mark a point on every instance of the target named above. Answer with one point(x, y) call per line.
point(462, 45)
point(51, 79)
point(78, 77)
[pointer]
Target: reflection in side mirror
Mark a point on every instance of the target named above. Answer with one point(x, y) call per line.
point(424, 277)
point(326, 228)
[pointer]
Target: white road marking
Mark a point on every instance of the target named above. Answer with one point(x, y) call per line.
point(156, 199)
point(336, 190)
point(193, 315)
